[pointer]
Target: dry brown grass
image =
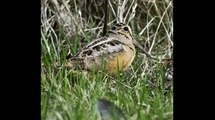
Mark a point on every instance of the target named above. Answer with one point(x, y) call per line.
point(69, 24)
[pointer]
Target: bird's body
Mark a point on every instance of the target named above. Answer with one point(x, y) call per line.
point(113, 52)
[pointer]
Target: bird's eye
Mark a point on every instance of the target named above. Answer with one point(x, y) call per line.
point(125, 28)
point(113, 28)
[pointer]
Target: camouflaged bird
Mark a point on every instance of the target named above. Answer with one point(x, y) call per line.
point(116, 50)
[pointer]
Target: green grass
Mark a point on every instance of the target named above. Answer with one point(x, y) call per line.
point(140, 91)
point(132, 92)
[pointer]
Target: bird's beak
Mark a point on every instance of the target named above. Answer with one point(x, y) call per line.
point(136, 44)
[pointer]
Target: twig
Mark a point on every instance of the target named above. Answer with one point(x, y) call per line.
point(106, 17)
point(112, 8)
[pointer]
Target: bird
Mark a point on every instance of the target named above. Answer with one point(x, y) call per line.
point(112, 53)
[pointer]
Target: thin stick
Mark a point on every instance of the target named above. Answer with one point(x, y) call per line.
point(106, 17)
